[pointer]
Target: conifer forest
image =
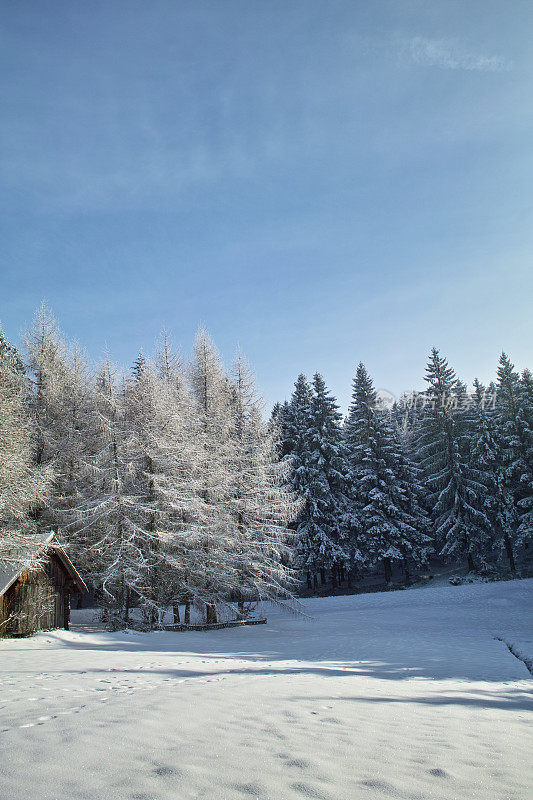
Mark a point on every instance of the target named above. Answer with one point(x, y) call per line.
point(172, 487)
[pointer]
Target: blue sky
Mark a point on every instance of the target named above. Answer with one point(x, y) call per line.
point(317, 182)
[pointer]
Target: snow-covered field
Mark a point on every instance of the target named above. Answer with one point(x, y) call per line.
point(404, 695)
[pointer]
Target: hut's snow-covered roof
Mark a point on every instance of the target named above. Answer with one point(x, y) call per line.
point(7, 577)
point(43, 541)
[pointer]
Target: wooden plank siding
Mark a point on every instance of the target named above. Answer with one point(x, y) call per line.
point(38, 600)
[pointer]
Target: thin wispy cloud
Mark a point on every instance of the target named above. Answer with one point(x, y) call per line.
point(450, 54)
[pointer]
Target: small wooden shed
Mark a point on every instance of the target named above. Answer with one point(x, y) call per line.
point(39, 599)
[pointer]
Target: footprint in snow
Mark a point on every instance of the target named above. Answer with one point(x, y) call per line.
point(307, 791)
point(299, 763)
point(381, 786)
point(165, 771)
point(248, 788)
point(438, 773)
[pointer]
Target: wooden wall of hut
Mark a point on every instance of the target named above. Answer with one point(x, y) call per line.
point(38, 600)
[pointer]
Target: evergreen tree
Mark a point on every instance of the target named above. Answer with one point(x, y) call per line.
point(527, 395)
point(11, 355)
point(418, 545)
point(309, 422)
point(391, 524)
point(278, 423)
point(332, 519)
point(493, 498)
point(515, 429)
point(452, 483)
point(139, 365)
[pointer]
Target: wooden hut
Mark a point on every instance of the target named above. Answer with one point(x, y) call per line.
point(39, 598)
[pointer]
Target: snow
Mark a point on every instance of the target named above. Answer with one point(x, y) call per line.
point(9, 573)
point(404, 694)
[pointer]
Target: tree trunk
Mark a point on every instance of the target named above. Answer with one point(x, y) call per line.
point(309, 581)
point(351, 577)
point(187, 614)
point(176, 613)
point(470, 562)
point(127, 607)
point(240, 607)
point(211, 614)
point(79, 600)
point(509, 551)
point(407, 575)
point(387, 569)
point(323, 576)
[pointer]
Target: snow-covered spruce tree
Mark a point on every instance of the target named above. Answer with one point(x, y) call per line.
point(493, 496)
point(391, 522)
point(261, 505)
point(409, 481)
point(277, 420)
point(23, 486)
point(332, 511)
point(139, 365)
point(11, 356)
point(451, 481)
point(515, 430)
point(292, 421)
point(317, 531)
point(527, 395)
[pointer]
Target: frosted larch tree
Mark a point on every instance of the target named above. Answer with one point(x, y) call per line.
point(23, 485)
point(212, 392)
point(261, 505)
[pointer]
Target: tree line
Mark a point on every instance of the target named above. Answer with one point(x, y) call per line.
point(171, 491)
point(446, 473)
